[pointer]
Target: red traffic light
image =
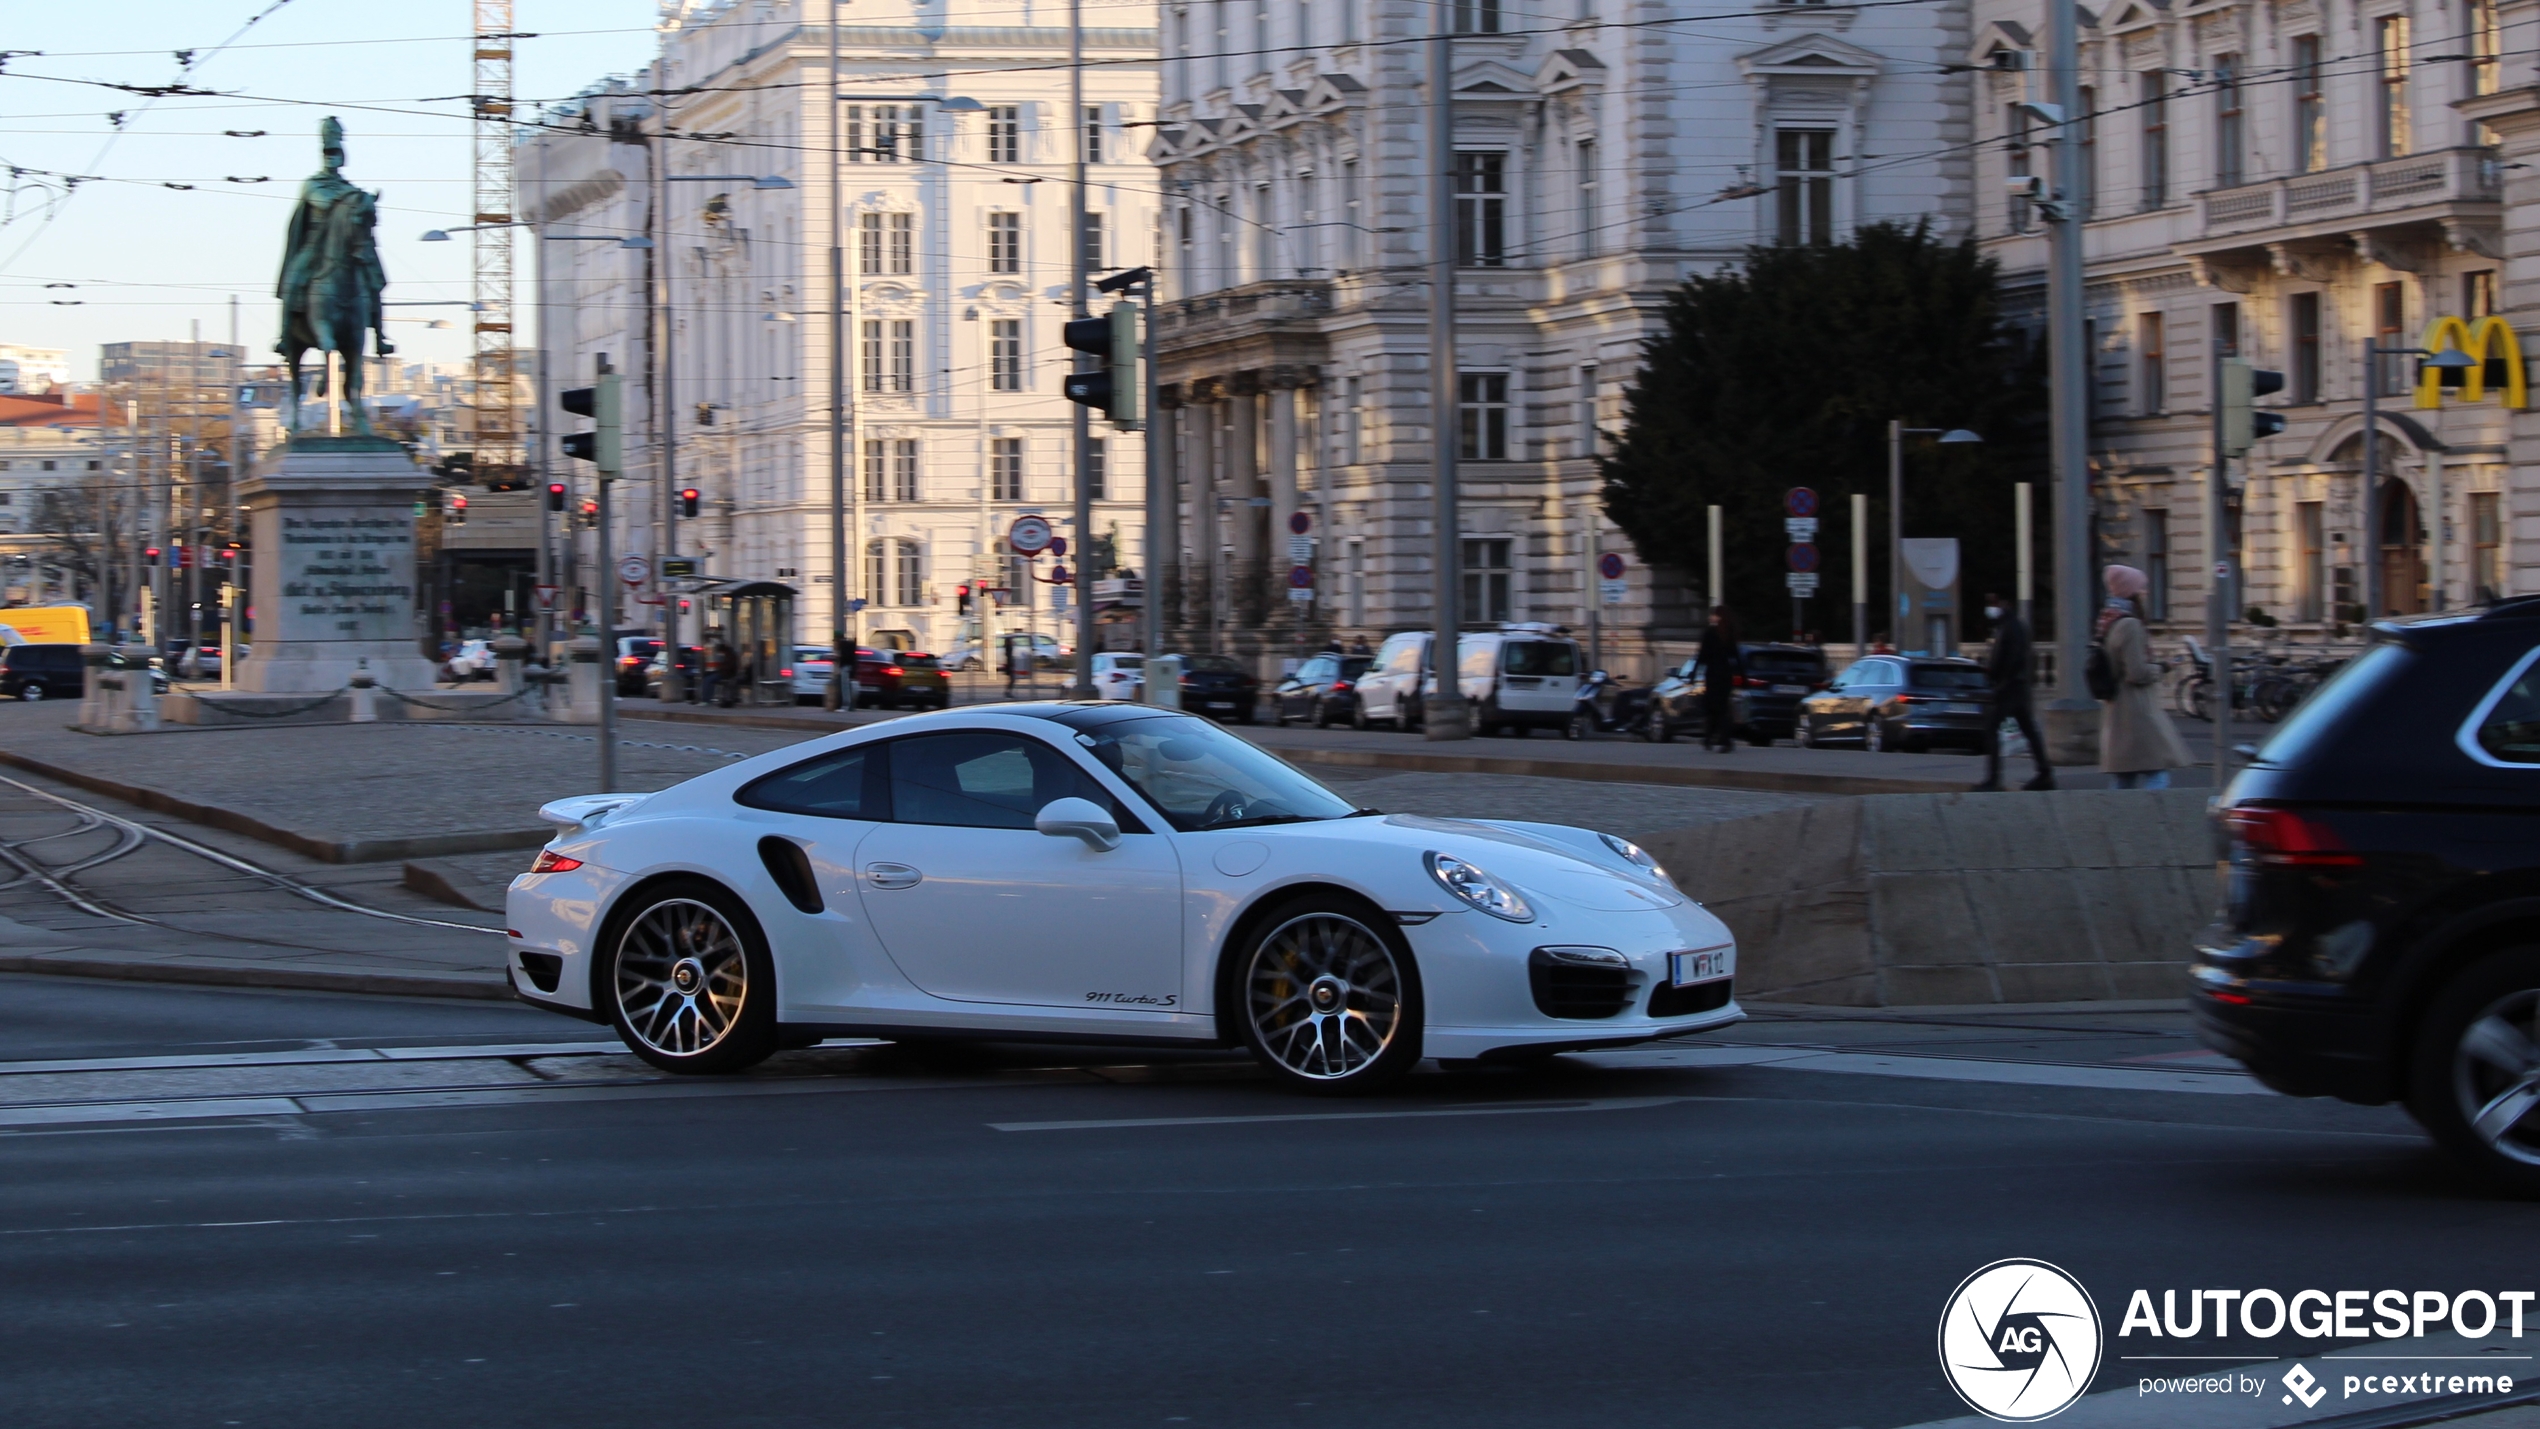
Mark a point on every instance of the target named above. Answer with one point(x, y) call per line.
point(555, 496)
point(688, 502)
point(150, 555)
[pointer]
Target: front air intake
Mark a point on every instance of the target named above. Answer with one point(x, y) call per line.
point(1576, 990)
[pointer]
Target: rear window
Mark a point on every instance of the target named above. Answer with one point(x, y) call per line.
point(917, 662)
point(2319, 714)
point(2510, 729)
point(1948, 677)
point(831, 787)
point(1213, 664)
point(1539, 657)
point(1785, 664)
point(1355, 666)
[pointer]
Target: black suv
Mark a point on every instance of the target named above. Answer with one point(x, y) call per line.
point(42, 672)
point(2380, 937)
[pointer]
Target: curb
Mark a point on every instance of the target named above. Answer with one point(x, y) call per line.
point(1411, 762)
point(322, 849)
point(233, 975)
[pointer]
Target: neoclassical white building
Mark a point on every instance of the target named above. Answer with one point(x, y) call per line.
point(1602, 155)
point(955, 220)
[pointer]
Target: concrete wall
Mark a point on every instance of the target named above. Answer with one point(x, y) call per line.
point(1943, 899)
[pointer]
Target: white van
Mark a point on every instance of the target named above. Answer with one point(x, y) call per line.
point(1518, 677)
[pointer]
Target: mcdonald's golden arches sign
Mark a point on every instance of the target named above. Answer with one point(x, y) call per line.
point(2488, 342)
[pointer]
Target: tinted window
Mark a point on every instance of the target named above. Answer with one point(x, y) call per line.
point(2511, 730)
point(1213, 664)
point(1539, 657)
point(917, 662)
point(1785, 665)
point(1949, 677)
point(832, 787)
point(1204, 778)
point(1355, 666)
point(983, 780)
point(2317, 715)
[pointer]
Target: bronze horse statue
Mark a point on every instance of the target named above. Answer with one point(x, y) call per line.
point(331, 277)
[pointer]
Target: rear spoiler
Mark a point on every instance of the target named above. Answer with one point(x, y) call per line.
point(584, 812)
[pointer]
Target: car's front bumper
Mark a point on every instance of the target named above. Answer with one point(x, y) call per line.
point(1482, 1001)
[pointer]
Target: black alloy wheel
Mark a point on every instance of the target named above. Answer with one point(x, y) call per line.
point(2474, 1082)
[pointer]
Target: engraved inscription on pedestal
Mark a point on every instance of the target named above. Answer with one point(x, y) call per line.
point(347, 574)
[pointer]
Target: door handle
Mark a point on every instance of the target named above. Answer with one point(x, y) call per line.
point(892, 875)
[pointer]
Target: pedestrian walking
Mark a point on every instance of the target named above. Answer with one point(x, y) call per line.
point(1721, 665)
point(2009, 667)
point(726, 664)
point(2138, 747)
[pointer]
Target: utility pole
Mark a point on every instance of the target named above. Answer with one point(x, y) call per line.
point(665, 396)
point(1080, 282)
point(1444, 715)
point(842, 656)
point(2072, 717)
point(2218, 564)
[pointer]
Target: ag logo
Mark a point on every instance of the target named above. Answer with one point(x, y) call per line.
point(2019, 1340)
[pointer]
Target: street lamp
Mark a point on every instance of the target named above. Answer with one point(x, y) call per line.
point(2450, 359)
point(1897, 432)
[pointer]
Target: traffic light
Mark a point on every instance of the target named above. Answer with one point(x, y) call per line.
point(149, 555)
point(2242, 423)
point(688, 503)
point(590, 514)
point(555, 496)
point(962, 594)
point(455, 511)
point(1113, 389)
point(605, 406)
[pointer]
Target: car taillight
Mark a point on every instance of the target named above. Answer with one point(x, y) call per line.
point(2285, 839)
point(1187, 682)
point(550, 861)
point(1340, 685)
point(893, 671)
point(784, 674)
point(1749, 682)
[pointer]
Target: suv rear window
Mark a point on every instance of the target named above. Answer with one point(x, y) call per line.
point(1539, 657)
point(2510, 730)
point(917, 662)
point(1948, 677)
point(1785, 664)
point(2319, 714)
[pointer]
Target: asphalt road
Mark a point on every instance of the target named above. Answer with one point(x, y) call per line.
point(1010, 1237)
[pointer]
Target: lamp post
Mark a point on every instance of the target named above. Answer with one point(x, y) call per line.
point(1897, 432)
point(2449, 360)
point(1445, 715)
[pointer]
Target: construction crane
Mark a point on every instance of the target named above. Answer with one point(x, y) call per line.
point(498, 429)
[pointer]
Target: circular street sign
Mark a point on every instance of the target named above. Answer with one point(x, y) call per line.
point(1610, 566)
point(1301, 577)
point(1059, 575)
point(1058, 545)
point(634, 569)
point(1803, 558)
point(1800, 501)
point(1030, 535)
point(1299, 523)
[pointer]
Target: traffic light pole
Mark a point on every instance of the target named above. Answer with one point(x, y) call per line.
point(607, 582)
point(1081, 277)
point(2218, 562)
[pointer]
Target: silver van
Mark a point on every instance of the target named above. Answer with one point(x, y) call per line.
point(1517, 678)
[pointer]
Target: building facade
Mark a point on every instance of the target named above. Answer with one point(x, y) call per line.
point(2295, 184)
point(953, 217)
point(1599, 161)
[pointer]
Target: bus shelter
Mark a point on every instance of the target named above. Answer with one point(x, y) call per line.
point(756, 620)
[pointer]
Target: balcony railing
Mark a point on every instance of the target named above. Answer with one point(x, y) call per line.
point(1257, 303)
point(2467, 175)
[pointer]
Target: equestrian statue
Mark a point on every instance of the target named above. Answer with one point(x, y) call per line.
point(331, 279)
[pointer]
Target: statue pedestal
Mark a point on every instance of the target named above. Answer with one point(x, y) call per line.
point(334, 568)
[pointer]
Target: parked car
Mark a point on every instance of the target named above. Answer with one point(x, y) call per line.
point(192, 661)
point(1778, 676)
point(1322, 692)
point(1517, 678)
point(813, 665)
point(900, 679)
point(635, 656)
point(1046, 653)
point(2380, 933)
point(1896, 702)
point(1219, 685)
point(1389, 690)
point(1119, 675)
point(1675, 704)
point(42, 672)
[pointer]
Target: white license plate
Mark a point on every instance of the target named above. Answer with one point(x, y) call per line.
point(1708, 965)
point(1960, 709)
point(1790, 689)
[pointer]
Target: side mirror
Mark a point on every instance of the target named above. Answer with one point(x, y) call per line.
point(1079, 819)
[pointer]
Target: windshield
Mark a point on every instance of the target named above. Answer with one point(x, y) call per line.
point(1213, 664)
point(2320, 712)
point(1201, 777)
point(1948, 677)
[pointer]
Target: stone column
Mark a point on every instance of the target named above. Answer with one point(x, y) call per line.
point(2514, 115)
point(1243, 484)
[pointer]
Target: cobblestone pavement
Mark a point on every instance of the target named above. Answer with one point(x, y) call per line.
point(1634, 811)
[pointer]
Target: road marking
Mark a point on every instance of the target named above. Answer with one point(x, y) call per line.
point(1941, 1069)
point(1513, 1109)
point(161, 1110)
point(317, 1057)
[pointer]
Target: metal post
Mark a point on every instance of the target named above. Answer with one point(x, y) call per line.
point(665, 405)
point(606, 579)
point(1159, 497)
point(1896, 607)
point(2071, 716)
point(2218, 566)
point(2022, 517)
point(1715, 590)
point(842, 656)
point(1444, 715)
point(543, 649)
point(2434, 491)
point(2369, 547)
point(1080, 283)
point(1860, 574)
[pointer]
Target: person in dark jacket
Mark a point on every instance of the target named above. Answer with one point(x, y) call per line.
point(1721, 665)
point(2008, 668)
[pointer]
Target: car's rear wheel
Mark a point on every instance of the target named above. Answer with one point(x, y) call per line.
point(31, 691)
point(1328, 997)
point(1875, 738)
point(688, 982)
point(2475, 1084)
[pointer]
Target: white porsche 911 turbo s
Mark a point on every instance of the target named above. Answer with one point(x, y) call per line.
point(1096, 872)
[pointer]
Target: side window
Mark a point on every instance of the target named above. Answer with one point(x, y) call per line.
point(1475, 660)
point(1314, 671)
point(834, 786)
point(2510, 733)
point(983, 780)
point(1402, 658)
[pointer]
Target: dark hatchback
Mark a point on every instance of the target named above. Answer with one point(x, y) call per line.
point(42, 672)
point(1218, 685)
point(1897, 702)
point(1777, 678)
point(2380, 935)
point(896, 679)
point(1322, 692)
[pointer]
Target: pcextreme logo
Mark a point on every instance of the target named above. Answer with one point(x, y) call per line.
point(2019, 1340)
point(2488, 342)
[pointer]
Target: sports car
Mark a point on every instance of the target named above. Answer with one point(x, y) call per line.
point(1096, 872)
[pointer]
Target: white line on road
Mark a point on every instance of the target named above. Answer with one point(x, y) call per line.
point(1518, 1109)
point(1942, 1069)
point(316, 1057)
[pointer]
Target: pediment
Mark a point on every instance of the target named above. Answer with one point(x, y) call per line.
point(1810, 54)
point(1492, 77)
point(2135, 14)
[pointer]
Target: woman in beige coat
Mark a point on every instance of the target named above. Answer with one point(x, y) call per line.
point(2137, 745)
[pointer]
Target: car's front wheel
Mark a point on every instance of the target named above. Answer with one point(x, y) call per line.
point(2475, 1085)
point(687, 979)
point(1328, 997)
point(31, 691)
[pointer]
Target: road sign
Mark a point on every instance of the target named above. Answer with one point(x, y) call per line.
point(855, 605)
point(674, 566)
point(1610, 566)
point(1801, 583)
point(1058, 546)
point(1803, 558)
point(547, 598)
point(1029, 536)
point(1612, 592)
point(1300, 594)
point(1300, 549)
point(1299, 523)
point(1800, 501)
point(634, 569)
point(1801, 528)
point(1300, 577)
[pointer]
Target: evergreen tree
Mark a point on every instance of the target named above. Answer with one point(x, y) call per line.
point(1786, 373)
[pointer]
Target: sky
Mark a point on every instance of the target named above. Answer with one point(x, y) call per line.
point(147, 260)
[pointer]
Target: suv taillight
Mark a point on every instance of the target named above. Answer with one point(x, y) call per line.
point(2283, 838)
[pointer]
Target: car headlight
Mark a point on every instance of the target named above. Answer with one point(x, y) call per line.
point(1476, 887)
point(1633, 853)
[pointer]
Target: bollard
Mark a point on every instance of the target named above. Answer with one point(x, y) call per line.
point(140, 692)
point(365, 696)
point(509, 653)
point(95, 707)
point(583, 680)
point(1164, 681)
